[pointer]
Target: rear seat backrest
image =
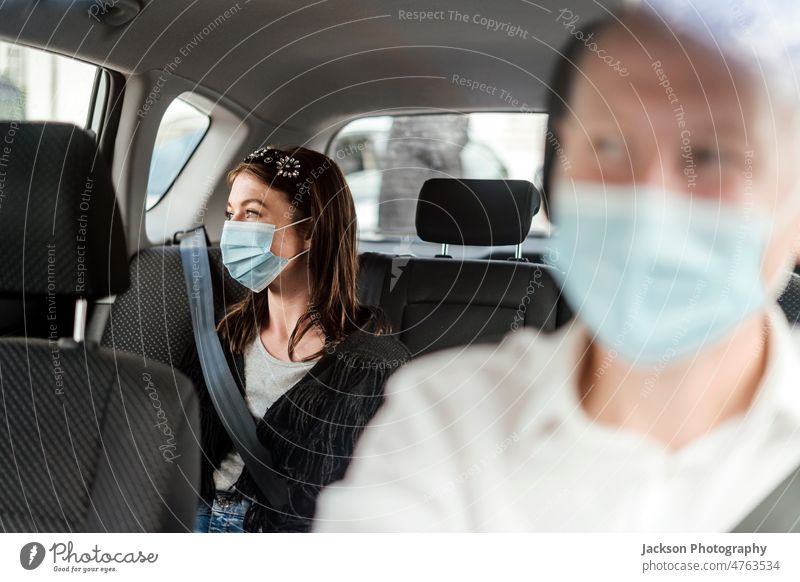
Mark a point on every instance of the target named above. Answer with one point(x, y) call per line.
point(442, 302)
point(431, 303)
point(153, 319)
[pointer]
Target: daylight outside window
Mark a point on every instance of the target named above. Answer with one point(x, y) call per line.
point(180, 132)
point(37, 85)
point(386, 159)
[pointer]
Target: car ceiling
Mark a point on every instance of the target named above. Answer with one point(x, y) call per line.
point(313, 64)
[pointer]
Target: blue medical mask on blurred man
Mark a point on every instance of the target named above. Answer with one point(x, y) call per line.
point(657, 276)
point(246, 252)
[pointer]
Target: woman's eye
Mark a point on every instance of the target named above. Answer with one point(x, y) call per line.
point(228, 215)
point(251, 214)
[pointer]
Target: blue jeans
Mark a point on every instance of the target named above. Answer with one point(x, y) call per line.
point(224, 516)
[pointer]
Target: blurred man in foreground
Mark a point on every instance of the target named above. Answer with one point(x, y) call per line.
point(671, 401)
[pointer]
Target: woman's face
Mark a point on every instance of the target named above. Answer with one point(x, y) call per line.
point(251, 200)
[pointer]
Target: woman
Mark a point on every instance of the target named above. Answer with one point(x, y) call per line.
point(311, 361)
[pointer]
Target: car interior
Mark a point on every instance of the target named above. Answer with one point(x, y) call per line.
point(120, 121)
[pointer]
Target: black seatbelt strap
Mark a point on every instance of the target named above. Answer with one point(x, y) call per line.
point(228, 401)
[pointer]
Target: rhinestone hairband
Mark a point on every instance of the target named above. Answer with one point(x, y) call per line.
point(286, 166)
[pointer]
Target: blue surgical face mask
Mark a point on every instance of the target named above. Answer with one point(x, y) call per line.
point(246, 252)
point(657, 276)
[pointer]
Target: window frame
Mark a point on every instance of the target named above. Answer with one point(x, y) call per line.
point(99, 103)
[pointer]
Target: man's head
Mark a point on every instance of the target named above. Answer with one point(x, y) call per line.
point(690, 117)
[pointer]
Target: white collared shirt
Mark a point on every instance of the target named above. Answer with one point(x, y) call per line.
point(493, 438)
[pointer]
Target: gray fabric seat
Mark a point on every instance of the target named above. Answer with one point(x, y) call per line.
point(431, 303)
point(441, 302)
point(152, 317)
point(93, 440)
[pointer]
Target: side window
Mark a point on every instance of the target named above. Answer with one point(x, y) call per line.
point(386, 159)
point(181, 130)
point(37, 85)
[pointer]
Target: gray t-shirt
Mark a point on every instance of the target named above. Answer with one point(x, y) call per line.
point(267, 378)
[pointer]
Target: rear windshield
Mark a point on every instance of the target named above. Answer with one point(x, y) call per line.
point(386, 159)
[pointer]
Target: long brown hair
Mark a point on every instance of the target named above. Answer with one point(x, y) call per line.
point(319, 192)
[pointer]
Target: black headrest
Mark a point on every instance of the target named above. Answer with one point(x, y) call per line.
point(476, 212)
point(60, 229)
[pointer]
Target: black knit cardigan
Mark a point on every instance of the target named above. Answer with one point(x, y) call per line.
point(311, 430)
